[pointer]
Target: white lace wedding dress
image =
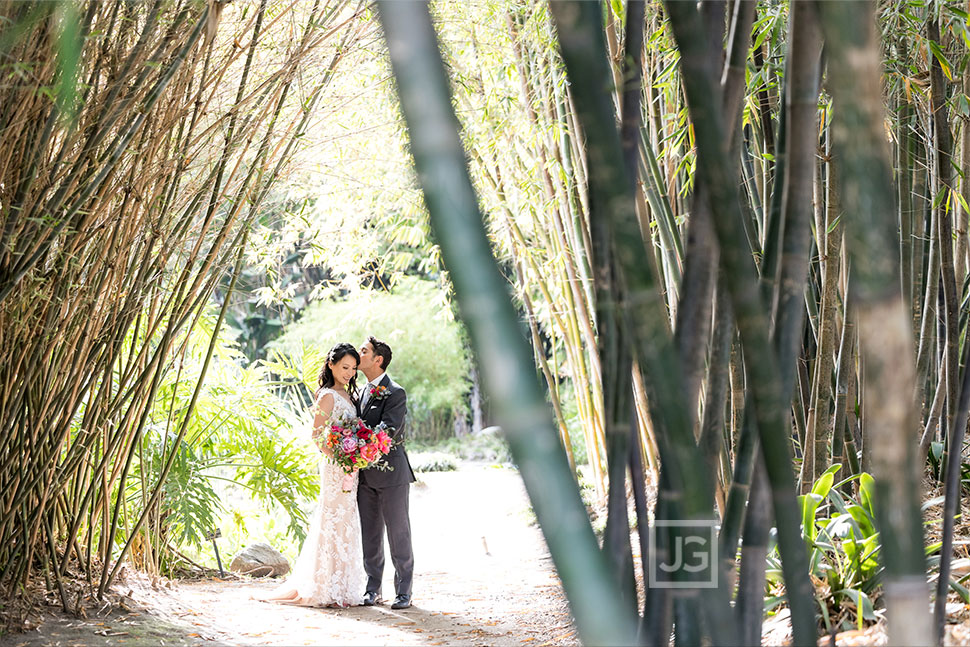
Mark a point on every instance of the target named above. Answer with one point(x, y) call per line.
point(330, 568)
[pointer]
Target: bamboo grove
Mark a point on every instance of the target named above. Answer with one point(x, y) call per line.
point(138, 143)
point(739, 231)
point(735, 232)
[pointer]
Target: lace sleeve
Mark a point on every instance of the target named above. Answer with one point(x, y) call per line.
point(323, 404)
point(322, 411)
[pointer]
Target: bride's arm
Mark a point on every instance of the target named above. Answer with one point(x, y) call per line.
point(321, 416)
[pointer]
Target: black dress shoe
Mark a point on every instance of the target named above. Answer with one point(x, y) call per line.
point(370, 598)
point(401, 602)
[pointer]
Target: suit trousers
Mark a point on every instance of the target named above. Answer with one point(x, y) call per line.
point(382, 508)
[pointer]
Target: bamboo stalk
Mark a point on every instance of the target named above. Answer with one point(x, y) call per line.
point(438, 155)
point(943, 146)
point(818, 437)
point(612, 198)
point(866, 181)
point(750, 312)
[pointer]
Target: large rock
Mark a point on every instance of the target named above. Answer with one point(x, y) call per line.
point(260, 560)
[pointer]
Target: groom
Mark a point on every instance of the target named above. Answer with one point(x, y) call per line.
point(382, 496)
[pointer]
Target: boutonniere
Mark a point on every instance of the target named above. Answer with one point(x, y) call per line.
point(378, 393)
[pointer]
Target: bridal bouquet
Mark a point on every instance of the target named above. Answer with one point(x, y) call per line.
point(354, 445)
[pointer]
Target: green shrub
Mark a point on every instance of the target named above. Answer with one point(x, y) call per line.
point(432, 462)
point(488, 447)
point(245, 452)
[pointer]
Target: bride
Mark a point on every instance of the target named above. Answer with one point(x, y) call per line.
point(330, 568)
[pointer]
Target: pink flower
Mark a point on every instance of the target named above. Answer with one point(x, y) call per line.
point(383, 442)
point(378, 392)
point(349, 445)
point(369, 453)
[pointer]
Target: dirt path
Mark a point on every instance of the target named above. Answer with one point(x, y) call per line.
point(482, 577)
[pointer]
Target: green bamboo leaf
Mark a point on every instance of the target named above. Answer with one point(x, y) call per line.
point(832, 225)
point(617, 7)
point(962, 200)
point(956, 11)
point(867, 489)
point(961, 106)
point(846, 481)
point(941, 59)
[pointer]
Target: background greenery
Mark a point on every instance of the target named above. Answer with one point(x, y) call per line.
point(430, 359)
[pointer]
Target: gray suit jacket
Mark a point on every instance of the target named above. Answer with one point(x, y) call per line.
point(391, 410)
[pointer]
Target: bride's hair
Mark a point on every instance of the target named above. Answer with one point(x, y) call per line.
point(336, 354)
